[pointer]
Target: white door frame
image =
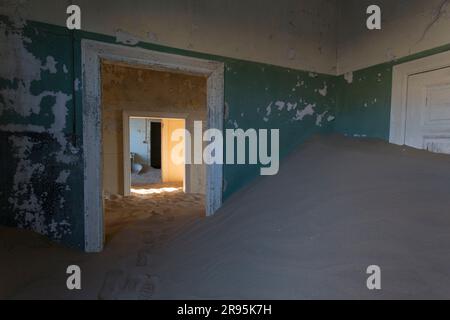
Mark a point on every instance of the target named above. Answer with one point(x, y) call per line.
point(92, 53)
point(399, 99)
point(126, 115)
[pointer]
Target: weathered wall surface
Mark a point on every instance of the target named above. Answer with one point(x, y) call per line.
point(364, 102)
point(298, 34)
point(265, 97)
point(140, 140)
point(41, 127)
point(134, 89)
point(40, 135)
point(408, 27)
point(410, 30)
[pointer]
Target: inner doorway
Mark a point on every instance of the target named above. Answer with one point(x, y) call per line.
point(145, 151)
point(152, 158)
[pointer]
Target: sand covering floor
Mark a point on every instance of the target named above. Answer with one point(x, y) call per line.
point(34, 268)
point(337, 206)
point(151, 175)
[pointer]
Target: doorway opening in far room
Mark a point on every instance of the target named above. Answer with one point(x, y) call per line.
point(150, 162)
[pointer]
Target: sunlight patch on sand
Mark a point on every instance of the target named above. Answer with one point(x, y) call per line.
point(155, 190)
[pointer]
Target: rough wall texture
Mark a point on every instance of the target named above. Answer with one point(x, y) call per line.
point(411, 29)
point(133, 89)
point(408, 27)
point(363, 106)
point(41, 126)
point(298, 34)
point(259, 96)
point(40, 103)
point(40, 142)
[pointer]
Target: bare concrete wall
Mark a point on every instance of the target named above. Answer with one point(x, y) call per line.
point(408, 27)
point(133, 89)
point(299, 34)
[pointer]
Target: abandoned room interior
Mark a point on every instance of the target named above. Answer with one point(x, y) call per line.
point(178, 149)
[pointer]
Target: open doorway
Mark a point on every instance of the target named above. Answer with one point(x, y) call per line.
point(144, 116)
point(104, 168)
point(152, 159)
point(145, 151)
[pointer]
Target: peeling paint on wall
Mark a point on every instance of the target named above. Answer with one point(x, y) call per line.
point(126, 38)
point(307, 111)
point(324, 90)
point(267, 98)
point(348, 77)
point(48, 194)
point(36, 100)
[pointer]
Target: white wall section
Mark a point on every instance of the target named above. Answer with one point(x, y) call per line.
point(299, 34)
point(408, 27)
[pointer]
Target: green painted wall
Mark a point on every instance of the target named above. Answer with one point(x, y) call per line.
point(41, 143)
point(364, 104)
point(41, 109)
point(41, 164)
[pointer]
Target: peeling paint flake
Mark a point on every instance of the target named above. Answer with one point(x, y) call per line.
point(348, 77)
point(323, 92)
point(50, 65)
point(62, 178)
point(307, 111)
point(269, 110)
point(291, 106)
point(319, 118)
point(280, 105)
point(126, 38)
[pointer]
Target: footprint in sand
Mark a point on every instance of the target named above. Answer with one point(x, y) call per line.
point(119, 285)
point(143, 256)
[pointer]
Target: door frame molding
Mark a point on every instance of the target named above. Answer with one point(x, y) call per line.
point(400, 75)
point(92, 54)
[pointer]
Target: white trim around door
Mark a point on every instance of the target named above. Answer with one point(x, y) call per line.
point(93, 52)
point(400, 76)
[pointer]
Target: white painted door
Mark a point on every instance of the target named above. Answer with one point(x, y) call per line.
point(428, 111)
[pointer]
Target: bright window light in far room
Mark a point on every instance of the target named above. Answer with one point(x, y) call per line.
point(154, 190)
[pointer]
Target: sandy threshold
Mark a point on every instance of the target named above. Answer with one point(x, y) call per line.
point(33, 267)
point(337, 206)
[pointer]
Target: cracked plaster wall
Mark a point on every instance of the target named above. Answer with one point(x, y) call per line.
point(40, 163)
point(408, 27)
point(298, 34)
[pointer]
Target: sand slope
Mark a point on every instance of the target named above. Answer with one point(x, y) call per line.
point(336, 206)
